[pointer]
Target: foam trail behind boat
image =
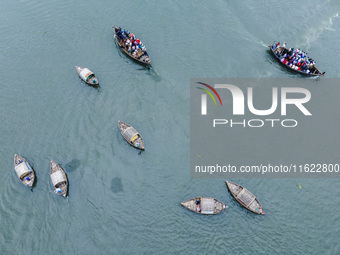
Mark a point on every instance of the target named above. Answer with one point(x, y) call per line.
point(327, 24)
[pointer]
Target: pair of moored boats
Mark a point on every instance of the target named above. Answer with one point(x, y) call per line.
point(140, 55)
point(208, 205)
point(26, 175)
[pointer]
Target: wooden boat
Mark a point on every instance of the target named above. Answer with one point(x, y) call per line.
point(141, 57)
point(23, 170)
point(277, 54)
point(245, 198)
point(86, 75)
point(58, 179)
point(131, 135)
point(204, 205)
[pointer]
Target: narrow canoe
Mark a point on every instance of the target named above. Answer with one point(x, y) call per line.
point(23, 170)
point(204, 205)
point(131, 135)
point(245, 197)
point(141, 57)
point(87, 76)
point(277, 54)
point(58, 179)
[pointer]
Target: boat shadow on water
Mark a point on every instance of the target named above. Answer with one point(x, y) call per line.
point(35, 180)
point(72, 165)
point(35, 177)
point(116, 185)
point(154, 74)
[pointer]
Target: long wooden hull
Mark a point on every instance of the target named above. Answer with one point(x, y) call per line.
point(145, 60)
point(245, 197)
point(24, 170)
point(316, 73)
point(138, 143)
point(58, 179)
point(204, 205)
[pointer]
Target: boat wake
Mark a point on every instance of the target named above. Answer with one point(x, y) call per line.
point(313, 35)
point(247, 38)
point(156, 76)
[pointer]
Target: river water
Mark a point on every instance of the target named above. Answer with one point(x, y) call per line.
point(124, 203)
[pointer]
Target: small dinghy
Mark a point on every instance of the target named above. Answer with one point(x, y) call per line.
point(204, 205)
point(88, 76)
point(295, 60)
point(59, 179)
point(132, 46)
point(23, 170)
point(245, 198)
point(131, 135)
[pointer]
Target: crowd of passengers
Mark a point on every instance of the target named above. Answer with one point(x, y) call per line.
point(295, 58)
point(131, 43)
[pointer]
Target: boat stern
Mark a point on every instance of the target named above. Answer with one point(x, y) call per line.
point(139, 144)
point(61, 191)
point(93, 81)
point(145, 59)
point(28, 182)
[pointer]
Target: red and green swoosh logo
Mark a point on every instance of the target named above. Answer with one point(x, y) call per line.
point(209, 93)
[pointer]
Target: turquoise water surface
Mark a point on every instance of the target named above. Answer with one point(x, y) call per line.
point(124, 203)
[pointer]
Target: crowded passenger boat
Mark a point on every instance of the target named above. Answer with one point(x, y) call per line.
point(131, 45)
point(295, 59)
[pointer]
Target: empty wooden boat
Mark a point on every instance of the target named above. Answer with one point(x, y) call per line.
point(86, 75)
point(58, 179)
point(131, 135)
point(126, 40)
point(204, 205)
point(23, 170)
point(245, 197)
